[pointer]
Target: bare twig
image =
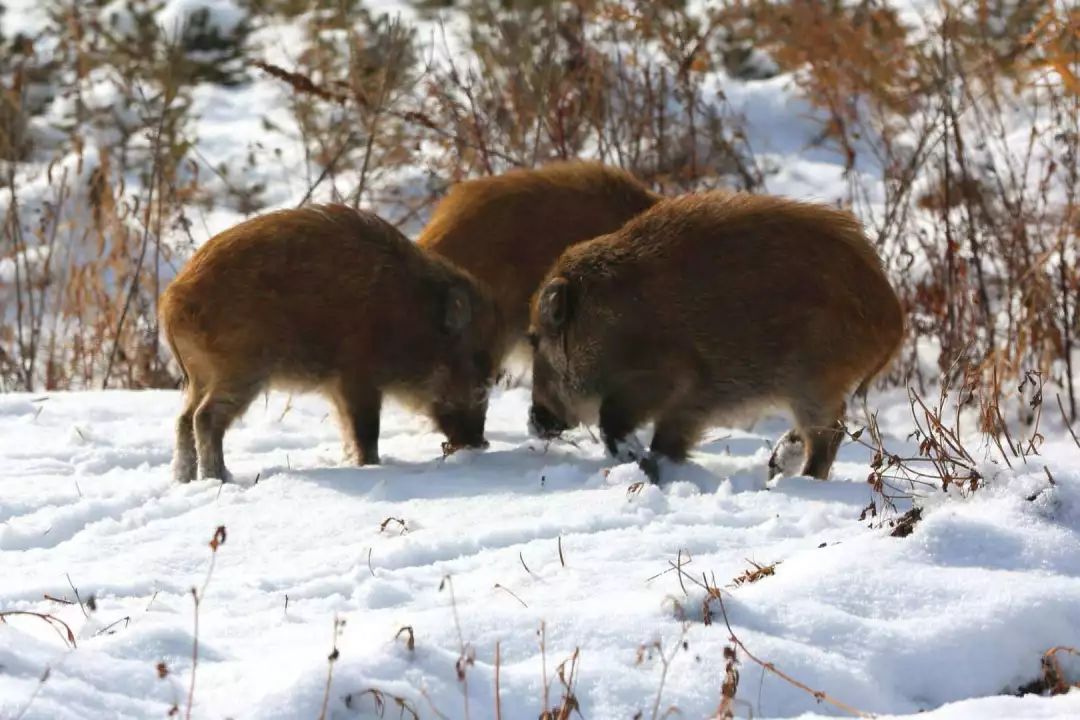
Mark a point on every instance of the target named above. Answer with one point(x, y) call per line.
point(42, 679)
point(1065, 420)
point(198, 595)
point(818, 695)
point(522, 558)
point(106, 630)
point(54, 622)
point(498, 695)
point(511, 593)
point(466, 657)
point(155, 179)
point(1054, 678)
point(410, 637)
point(330, 660)
point(77, 597)
point(665, 664)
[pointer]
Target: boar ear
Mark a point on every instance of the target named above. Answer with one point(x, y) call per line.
point(554, 309)
point(458, 311)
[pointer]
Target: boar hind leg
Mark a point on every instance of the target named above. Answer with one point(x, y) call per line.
point(821, 426)
point(218, 409)
point(358, 412)
point(185, 461)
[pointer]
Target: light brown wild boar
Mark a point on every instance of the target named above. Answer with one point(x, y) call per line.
point(331, 299)
point(706, 305)
point(509, 229)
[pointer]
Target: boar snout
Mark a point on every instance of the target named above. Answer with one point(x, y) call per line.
point(545, 424)
point(549, 415)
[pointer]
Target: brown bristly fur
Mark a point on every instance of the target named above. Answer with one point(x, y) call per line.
point(507, 230)
point(331, 299)
point(708, 304)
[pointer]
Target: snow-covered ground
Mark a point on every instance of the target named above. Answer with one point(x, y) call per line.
point(951, 619)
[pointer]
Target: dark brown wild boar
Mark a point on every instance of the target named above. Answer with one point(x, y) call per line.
point(509, 229)
point(706, 305)
point(331, 299)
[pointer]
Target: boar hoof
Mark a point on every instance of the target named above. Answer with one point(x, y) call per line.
point(787, 452)
point(223, 476)
point(543, 424)
point(650, 465)
point(449, 448)
point(184, 473)
point(627, 449)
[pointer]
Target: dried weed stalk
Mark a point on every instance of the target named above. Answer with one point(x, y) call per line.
point(730, 686)
point(466, 654)
point(381, 700)
point(331, 659)
point(410, 637)
point(59, 626)
point(754, 574)
point(198, 595)
point(646, 652)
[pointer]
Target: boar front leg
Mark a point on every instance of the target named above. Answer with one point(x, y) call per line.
point(620, 414)
point(359, 407)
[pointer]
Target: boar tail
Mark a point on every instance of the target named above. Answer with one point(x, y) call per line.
point(864, 386)
point(886, 358)
point(166, 331)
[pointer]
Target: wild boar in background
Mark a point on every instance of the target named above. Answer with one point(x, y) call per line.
point(331, 299)
point(507, 230)
point(706, 305)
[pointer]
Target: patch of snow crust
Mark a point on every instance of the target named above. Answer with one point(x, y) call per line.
point(949, 620)
point(222, 15)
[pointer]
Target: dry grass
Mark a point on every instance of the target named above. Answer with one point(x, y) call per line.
point(730, 686)
point(755, 573)
point(87, 252)
point(381, 701)
point(331, 659)
point(62, 628)
point(198, 595)
point(1054, 680)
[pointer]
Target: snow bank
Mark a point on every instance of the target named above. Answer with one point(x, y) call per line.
point(952, 619)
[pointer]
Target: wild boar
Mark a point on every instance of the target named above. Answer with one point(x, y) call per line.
point(330, 299)
point(509, 229)
point(707, 305)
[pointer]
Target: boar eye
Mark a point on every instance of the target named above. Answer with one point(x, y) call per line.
point(534, 340)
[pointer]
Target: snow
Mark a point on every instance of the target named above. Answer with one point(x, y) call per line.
point(224, 16)
point(22, 17)
point(951, 619)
